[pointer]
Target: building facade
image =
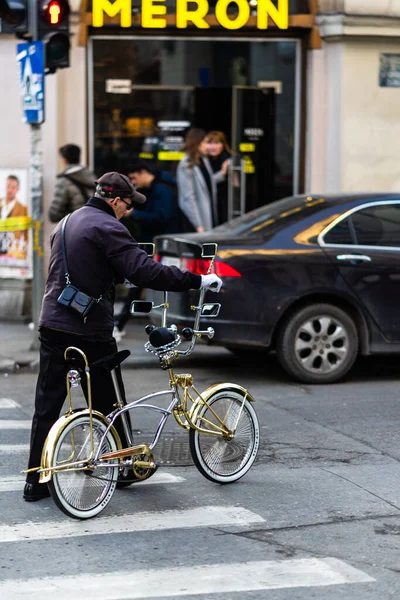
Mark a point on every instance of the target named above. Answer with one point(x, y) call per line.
point(309, 105)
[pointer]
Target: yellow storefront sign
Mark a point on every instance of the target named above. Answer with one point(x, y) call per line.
point(170, 155)
point(192, 12)
point(247, 147)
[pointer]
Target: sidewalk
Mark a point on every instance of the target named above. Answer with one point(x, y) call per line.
point(16, 339)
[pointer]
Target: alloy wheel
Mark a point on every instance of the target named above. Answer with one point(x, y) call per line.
point(321, 344)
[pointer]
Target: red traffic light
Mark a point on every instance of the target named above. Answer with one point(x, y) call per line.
point(54, 12)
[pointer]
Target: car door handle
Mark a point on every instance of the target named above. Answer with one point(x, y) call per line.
point(360, 257)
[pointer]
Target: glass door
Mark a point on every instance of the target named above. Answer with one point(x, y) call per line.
point(251, 177)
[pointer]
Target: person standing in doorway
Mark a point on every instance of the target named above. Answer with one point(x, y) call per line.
point(219, 155)
point(75, 185)
point(197, 188)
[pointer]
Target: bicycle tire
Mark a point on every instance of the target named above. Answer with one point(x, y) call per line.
point(219, 459)
point(82, 494)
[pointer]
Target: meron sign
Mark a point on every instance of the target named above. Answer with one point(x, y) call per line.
point(154, 13)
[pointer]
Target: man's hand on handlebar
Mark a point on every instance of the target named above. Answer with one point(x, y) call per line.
point(211, 282)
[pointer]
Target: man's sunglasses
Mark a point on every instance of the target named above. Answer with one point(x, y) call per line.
point(128, 204)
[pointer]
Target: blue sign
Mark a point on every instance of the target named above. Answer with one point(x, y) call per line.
point(30, 57)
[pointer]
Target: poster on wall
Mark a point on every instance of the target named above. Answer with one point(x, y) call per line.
point(15, 225)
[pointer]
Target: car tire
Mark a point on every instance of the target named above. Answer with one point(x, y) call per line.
point(318, 344)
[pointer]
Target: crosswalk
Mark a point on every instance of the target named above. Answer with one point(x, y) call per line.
point(196, 554)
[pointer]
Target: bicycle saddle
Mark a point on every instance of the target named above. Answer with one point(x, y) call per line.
point(111, 362)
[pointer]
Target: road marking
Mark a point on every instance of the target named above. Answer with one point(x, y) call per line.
point(187, 581)
point(15, 424)
point(13, 448)
point(15, 484)
point(202, 516)
point(8, 403)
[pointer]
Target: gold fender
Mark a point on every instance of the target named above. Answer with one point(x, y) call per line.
point(217, 387)
point(54, 435)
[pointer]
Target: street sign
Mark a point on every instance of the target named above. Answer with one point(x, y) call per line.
point(30, 57)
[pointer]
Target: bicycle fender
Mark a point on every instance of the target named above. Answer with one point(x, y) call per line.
point(218, 387)
point(54, 434)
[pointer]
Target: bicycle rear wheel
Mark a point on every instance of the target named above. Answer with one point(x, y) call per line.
point(220, 459)
point(82, 494)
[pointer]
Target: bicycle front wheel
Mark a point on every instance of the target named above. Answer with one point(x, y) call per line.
point(82, 494)
point(218, 458)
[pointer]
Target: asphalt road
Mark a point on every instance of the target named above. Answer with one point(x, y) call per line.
point(316, 517)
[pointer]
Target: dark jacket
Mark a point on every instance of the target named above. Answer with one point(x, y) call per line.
point(100, 253)
point(160, 213)
point(75, 185)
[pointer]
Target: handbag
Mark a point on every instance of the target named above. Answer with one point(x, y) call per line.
point(71, 297)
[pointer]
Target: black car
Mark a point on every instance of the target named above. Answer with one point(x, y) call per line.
point(315, 278)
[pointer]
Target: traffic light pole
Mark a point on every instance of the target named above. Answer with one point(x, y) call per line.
point(36, 193)
point(36, 190)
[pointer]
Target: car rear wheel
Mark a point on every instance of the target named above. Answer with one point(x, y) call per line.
point(318, 344)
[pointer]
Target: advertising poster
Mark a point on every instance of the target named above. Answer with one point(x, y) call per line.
point(15, 225)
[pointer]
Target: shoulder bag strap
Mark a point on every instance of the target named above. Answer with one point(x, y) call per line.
point(64, 252)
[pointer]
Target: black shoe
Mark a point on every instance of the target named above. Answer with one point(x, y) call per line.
point(35, 491)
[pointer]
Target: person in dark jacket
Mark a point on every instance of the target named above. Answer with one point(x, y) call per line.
point(75, 185)
point(100, 253)
point(158, 215)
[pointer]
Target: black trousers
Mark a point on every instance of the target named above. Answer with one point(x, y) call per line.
point(51, 390)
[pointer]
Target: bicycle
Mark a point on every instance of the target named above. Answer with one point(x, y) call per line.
point(83, 460)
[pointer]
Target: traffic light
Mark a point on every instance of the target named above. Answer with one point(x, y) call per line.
point(53, 29)
point(14, 17)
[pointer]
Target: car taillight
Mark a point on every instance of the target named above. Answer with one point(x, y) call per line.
point(200, 266)
point(157, 257)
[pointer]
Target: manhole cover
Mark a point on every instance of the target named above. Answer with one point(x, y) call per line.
point(172, 450)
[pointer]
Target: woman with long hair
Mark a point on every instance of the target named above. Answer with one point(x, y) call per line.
point(219, 155)
point(197, 187)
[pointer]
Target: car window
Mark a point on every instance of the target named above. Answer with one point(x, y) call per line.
point(377, 225)
point(267, 219)
point(340, 234)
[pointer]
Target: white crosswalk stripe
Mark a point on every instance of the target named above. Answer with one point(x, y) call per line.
point(8, 403)
point(13, 448)
point(14, 483)
point(15, 424)
point(202, 516)
point(182, 581)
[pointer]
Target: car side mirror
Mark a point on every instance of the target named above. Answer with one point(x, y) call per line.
point(148, 247)
point(141, 306)
point(210, 310)
point(209, 250)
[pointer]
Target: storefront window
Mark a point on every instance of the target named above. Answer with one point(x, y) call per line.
point(148, 92)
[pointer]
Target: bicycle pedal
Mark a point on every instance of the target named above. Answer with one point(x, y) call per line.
point(143, 464)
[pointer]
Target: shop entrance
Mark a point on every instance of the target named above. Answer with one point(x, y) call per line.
point(147, 94)
point(163, 114)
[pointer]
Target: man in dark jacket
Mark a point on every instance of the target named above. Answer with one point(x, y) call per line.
point(100, 253)
point(75, 185)
point(157, 216)
point(160, 214)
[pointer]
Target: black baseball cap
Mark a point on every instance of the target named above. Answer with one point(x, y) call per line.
point(113, 184)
